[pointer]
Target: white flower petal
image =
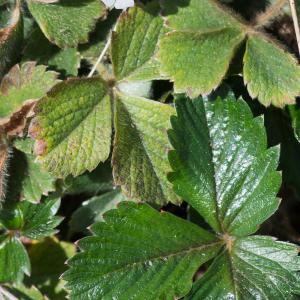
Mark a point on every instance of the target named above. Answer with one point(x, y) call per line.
point(123, 4)
point(109, 3)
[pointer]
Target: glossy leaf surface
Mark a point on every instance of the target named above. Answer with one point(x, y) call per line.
point(39, 220)
point(256, 267)
point(221, 165)
point(162, 268)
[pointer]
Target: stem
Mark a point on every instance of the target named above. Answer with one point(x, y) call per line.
point(271, 12)
point(102, 54)
point(296, 23)
point(100, 57)
point(5, 293)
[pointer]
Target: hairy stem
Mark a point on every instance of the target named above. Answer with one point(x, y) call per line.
point(271, 12)
point(296, 23)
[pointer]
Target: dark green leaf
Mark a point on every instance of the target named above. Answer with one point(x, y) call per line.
point(39, 220)
point(221, 165)
point(139, 253)
point(255, 267)
point(14, 260)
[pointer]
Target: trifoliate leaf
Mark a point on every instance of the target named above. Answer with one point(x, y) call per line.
point(255, 267)
point(11, 38)
point(191, 54)
point(35, 181)
point(140, 160)
point(139, 253)
point(39, 220)
point(39, 49)
point(14, 260)
point(234, 184)
point(67, 24)
point(28, 82)
point(197, 54)
point(270, 73)
point(48, 263)
point(73, 126)
point(134, 44)
point(93, 210)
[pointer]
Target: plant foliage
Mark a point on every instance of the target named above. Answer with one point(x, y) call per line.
point(149, 150)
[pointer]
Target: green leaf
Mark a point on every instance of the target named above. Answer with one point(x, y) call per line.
point(73, 126)
point(195, 60)
point(67, 24)
point(39, 49)
point(13, 259)
point(139, 253)
point(48, 263)
point(134, 44)
point(222, 169)
point(11, 39)
point(35, 181)
point(93, 209)
point(194, 15)
point(271, 74)
point(28, 82)
point(204, 41)
point(234, 184)
point(39, 220)
point(191, 54)
point(140, 160)
point(256, 267)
